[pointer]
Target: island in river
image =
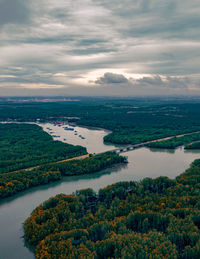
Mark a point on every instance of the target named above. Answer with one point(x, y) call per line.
point(156, 218)
point(170, 163)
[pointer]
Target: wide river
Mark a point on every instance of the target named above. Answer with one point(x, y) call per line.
point(143, 162)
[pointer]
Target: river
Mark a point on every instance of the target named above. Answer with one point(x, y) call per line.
point(143, 162)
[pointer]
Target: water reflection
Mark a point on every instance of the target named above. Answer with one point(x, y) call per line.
point(143, 163)
point(192, 151)
point(170, 151)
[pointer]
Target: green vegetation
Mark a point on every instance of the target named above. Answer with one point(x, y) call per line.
point(195, 145)
point(175, 142)
point(14, 182)
point(27, 145)
point(155, 218)
point(86, 166)
point(131, 121)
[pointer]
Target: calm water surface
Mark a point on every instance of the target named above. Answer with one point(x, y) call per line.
point(92, 139)
point(143, 162)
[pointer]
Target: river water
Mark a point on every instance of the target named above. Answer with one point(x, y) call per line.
point(92, 139)
point(143, 162)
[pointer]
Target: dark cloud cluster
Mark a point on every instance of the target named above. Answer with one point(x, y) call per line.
point(151, 45)
point(111, 78)
point(169, 82)
point(155, 81)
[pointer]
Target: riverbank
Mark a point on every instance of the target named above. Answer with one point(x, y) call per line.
point(176, 141)
point(158, 216)
point(23, 146)
point(14, 210)
point(12, 183)
point(89, 137)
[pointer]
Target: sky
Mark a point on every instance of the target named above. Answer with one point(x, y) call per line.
point(99, 47)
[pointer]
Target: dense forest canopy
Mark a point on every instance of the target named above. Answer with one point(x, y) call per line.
point(194, 145)
point(154, 218)
point(27, 145)
point(188, 141)
point(132, 120)
point(14, 182)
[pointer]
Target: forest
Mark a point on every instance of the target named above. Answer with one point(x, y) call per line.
point(195, 145)
point(177, 142)
point(27, 145)
point(15, 182)
point(153, 218)
point(131, 121)
point(86, 166)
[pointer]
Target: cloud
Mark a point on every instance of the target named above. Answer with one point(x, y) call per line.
point(40, 86)
point(14, 12)
point(169, 82)
point(73, 39)
point(146, 82)
point(111, 78)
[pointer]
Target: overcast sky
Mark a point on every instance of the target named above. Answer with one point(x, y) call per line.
point(99, 47)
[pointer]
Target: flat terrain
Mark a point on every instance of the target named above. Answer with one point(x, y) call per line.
point(155, 218)
point(131, 121)
point(26, 145)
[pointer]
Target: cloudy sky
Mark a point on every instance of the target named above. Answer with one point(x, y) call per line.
point(99, 47)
